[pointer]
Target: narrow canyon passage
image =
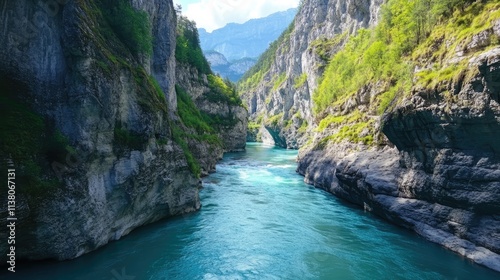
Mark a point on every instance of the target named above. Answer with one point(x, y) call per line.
point(260, 221)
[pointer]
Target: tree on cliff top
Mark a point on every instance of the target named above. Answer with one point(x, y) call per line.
point(188, 48)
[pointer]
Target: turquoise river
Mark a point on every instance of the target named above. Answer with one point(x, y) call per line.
point(259, 220)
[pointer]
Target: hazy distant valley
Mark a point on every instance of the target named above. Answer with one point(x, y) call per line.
point(235, 48)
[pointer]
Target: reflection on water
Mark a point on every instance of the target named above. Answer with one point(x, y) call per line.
point(260, 221)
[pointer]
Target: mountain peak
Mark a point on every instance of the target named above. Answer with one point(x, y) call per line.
point(233, 49)
point(249, 39)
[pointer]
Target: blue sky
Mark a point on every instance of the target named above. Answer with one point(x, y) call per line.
point(214, 14)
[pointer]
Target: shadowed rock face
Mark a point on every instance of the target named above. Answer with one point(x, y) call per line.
point(471, 125)
point(97, 94)
point(455, 145)
point(462, 217)
point(232, 134)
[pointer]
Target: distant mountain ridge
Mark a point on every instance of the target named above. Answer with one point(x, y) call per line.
point(249, 39)
point(234, 48)
point(232, 70)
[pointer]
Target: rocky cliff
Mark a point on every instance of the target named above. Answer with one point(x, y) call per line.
point(405, 127)
point(208, 105)
point(228, 119)
point(441, 178)
point(278, 90)
point(90, 123)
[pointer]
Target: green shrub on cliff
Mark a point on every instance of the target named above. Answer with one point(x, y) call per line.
point(323, 46)
point(410, 33)
point(278, 81)
point(369, 56)
point(178, 135)
point(188, 48)
point(222, 91)
point(255, 75)
point(189, 113)
point(188, 51)
point(126, 139)
point(30, 142)
point(300, 81)
point(383, 54)
point(253, 125)
point(199, 127)
point(132, 27)
point(274, 120)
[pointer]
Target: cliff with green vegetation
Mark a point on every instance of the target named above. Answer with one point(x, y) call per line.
point(209, 107)
point(101, 133)
point(403, 114)
point(278, 89)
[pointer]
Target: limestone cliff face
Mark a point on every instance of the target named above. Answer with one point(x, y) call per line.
point(436, 167)
point(429, 163)
point(280, 101)
point(442, 177)
point(120, 166)
point(232, 125)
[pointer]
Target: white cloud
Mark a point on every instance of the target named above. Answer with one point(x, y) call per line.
point(214, 14)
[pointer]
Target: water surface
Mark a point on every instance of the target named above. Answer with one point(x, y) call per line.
point(260, 221)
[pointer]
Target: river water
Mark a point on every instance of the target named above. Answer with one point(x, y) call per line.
point(260, 221)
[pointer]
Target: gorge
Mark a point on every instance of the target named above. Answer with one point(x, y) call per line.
point(259, 220)
point(113, 120)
